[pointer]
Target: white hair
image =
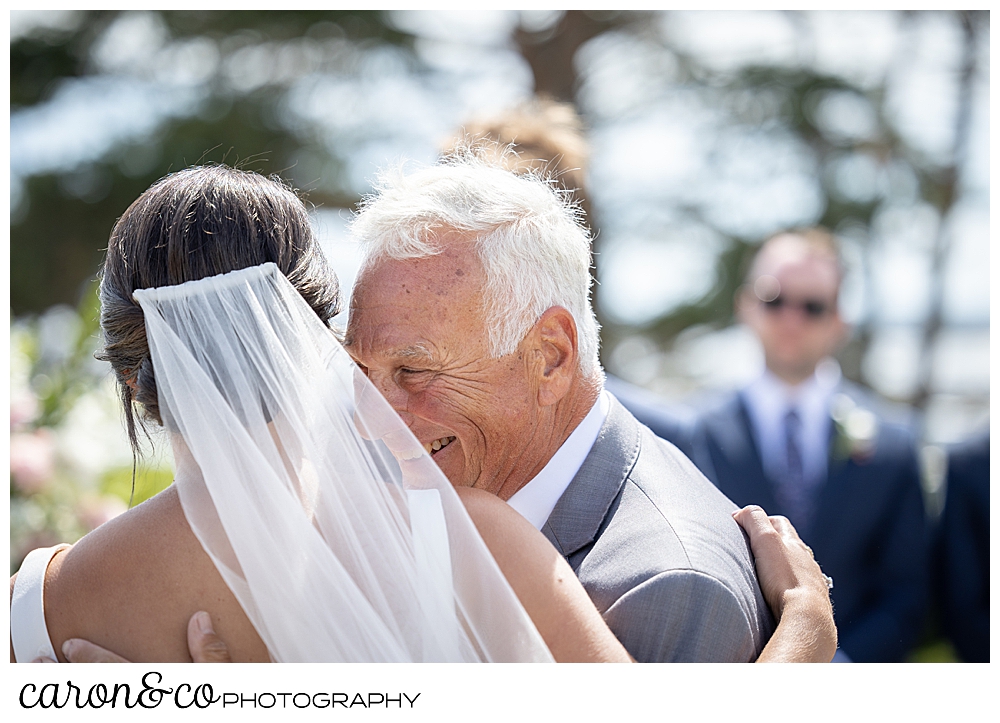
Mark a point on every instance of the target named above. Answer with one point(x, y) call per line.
point(528, 236)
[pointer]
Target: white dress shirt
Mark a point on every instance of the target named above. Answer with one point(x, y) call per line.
point(536, 500)
point(769, 400)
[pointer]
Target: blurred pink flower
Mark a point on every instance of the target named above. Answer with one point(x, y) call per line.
point(32, 460)
point(95, 511)
point(23, 408)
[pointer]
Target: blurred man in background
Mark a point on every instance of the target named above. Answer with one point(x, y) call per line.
point(961, 571)
point(801, 442)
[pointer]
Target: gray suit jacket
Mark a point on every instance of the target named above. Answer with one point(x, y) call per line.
point(657, 550)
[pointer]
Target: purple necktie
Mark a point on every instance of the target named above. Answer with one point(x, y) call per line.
point(792, 493)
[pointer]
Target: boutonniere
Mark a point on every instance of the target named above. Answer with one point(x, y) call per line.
point(855, 430)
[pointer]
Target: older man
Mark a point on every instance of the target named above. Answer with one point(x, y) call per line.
point(471, 314)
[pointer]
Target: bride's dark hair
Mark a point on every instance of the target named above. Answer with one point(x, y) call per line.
point(199, 222)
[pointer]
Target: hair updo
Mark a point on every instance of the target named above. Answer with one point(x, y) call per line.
point(199, 222)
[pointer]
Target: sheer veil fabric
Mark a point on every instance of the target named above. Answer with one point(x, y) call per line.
point(338, 534)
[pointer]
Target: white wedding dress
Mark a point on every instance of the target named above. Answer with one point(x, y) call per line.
point(339, 536)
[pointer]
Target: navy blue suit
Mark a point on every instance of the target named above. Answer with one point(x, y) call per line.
point(868, 530)
point(962, 552)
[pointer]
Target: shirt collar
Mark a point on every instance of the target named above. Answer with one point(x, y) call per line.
point(770, 397)
point(768, 400)
point(536, 500)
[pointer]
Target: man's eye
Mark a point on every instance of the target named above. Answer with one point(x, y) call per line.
point(409, 374)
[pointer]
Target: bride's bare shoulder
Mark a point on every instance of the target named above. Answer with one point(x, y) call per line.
point(132, 584)
point(508, 535)
point(472, 496)
point(482, 503)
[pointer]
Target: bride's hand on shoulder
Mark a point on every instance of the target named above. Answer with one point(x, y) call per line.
point(795, 588)
point(785, 564)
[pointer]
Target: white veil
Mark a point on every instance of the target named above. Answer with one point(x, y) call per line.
point(338, 534)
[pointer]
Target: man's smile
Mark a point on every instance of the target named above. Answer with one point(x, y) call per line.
point(437, 445)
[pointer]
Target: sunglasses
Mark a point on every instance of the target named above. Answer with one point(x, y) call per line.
point(812, 308)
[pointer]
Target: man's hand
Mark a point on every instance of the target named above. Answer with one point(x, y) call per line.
point(84, 651)
point(203, 644)
point(795, 588)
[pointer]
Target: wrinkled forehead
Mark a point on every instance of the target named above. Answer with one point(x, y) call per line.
point(449, 276)
point(405, 302)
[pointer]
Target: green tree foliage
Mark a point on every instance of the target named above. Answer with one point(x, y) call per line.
point(61, 224)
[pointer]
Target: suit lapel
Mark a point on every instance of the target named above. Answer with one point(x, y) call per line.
point(832, 495)
point(579, 513)
point(828, 501)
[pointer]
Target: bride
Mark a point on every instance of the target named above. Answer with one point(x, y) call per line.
point(305, 519)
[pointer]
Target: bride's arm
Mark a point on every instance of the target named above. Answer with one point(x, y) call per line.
point(544, 583)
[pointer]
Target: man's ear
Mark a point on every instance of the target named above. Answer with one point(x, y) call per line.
point(555, 349)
